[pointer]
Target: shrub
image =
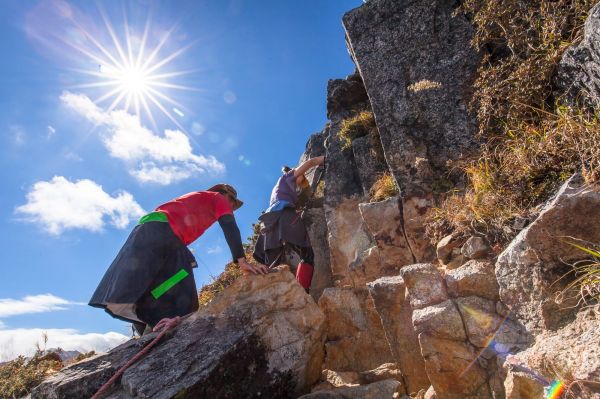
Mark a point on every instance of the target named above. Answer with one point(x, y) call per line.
point(208, 292)
point(384, 187)
point(19, 376)
point(357, 126)
point(531, 142)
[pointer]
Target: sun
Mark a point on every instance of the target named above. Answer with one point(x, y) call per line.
point(134, 81)
point(131, 75)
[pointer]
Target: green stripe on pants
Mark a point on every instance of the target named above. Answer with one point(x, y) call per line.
point(169, 283)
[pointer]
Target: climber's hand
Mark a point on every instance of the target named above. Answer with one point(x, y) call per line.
point(251, 268)
point(167, 323)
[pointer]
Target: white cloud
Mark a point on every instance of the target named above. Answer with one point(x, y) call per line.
point(51, 131)
point(150, 158)
point(217, 249)
point(21, 341)
point(33, 304)
point(229, 97)
point(60, 204)
point(71, 156)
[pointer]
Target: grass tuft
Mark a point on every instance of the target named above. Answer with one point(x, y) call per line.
point(385, 187)
point(585, 275)
point(357, 126)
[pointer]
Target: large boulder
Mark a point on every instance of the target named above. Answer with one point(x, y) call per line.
point(571, 353)
point(453, 369)
point(396, 225)
point(529, 270)
point(473, 278)
point(335, 379)
point(458, 337)
point(417, 65)
point(425, 285)
point(386, 389)
point(345, 96)
point(577, 73)
point(262, 337)
point(389, 296)
point(355, 336)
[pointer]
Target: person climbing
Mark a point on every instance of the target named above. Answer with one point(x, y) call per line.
point(282, 226)
point(151, 279)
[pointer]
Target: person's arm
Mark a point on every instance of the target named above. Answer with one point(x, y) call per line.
point(306, 165)
point(234, 241)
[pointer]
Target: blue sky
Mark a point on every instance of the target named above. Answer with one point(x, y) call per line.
point(243, 85)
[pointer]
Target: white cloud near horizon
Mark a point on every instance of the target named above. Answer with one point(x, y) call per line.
point(22, 341)
point(33, 304)
point(150, 158)
point(59, 204)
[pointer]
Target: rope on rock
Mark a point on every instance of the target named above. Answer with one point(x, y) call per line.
point(165, 325)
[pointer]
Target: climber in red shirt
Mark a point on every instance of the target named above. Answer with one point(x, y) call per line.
point(151, 278)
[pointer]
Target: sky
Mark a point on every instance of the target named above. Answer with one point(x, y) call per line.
point(109, 109)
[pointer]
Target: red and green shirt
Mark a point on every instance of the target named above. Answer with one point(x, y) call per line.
point(191, 214)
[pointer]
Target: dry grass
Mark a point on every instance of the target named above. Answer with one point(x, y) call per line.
point(531, 144)
point(357, 126)
point(424, 85)
point(385, 187)
point(320, 190)
point(584, 285)
point(18, 377)
point(208, 292)
point(231, 273)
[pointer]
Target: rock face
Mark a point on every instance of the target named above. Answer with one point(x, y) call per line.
point(316, 225)
point(473, 278)
point(376, 390)
point(529, 267)
point(262, 337)
point(355, 336)
point(389, 295)
point(417, 65)
point(456, 329)
point(572, 352)
point(349, 242)
point(397, 227)
point(314, 219)
point(577, 74)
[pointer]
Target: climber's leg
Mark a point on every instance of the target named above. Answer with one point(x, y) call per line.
point(305, 269)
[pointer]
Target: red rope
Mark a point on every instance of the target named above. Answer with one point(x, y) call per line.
point(165, 325)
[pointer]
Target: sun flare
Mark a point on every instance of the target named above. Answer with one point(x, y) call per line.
point(130, 74)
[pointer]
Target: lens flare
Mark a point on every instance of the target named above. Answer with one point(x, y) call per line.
point(555, 390)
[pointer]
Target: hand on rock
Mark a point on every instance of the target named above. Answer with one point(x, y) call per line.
point(247, 268)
